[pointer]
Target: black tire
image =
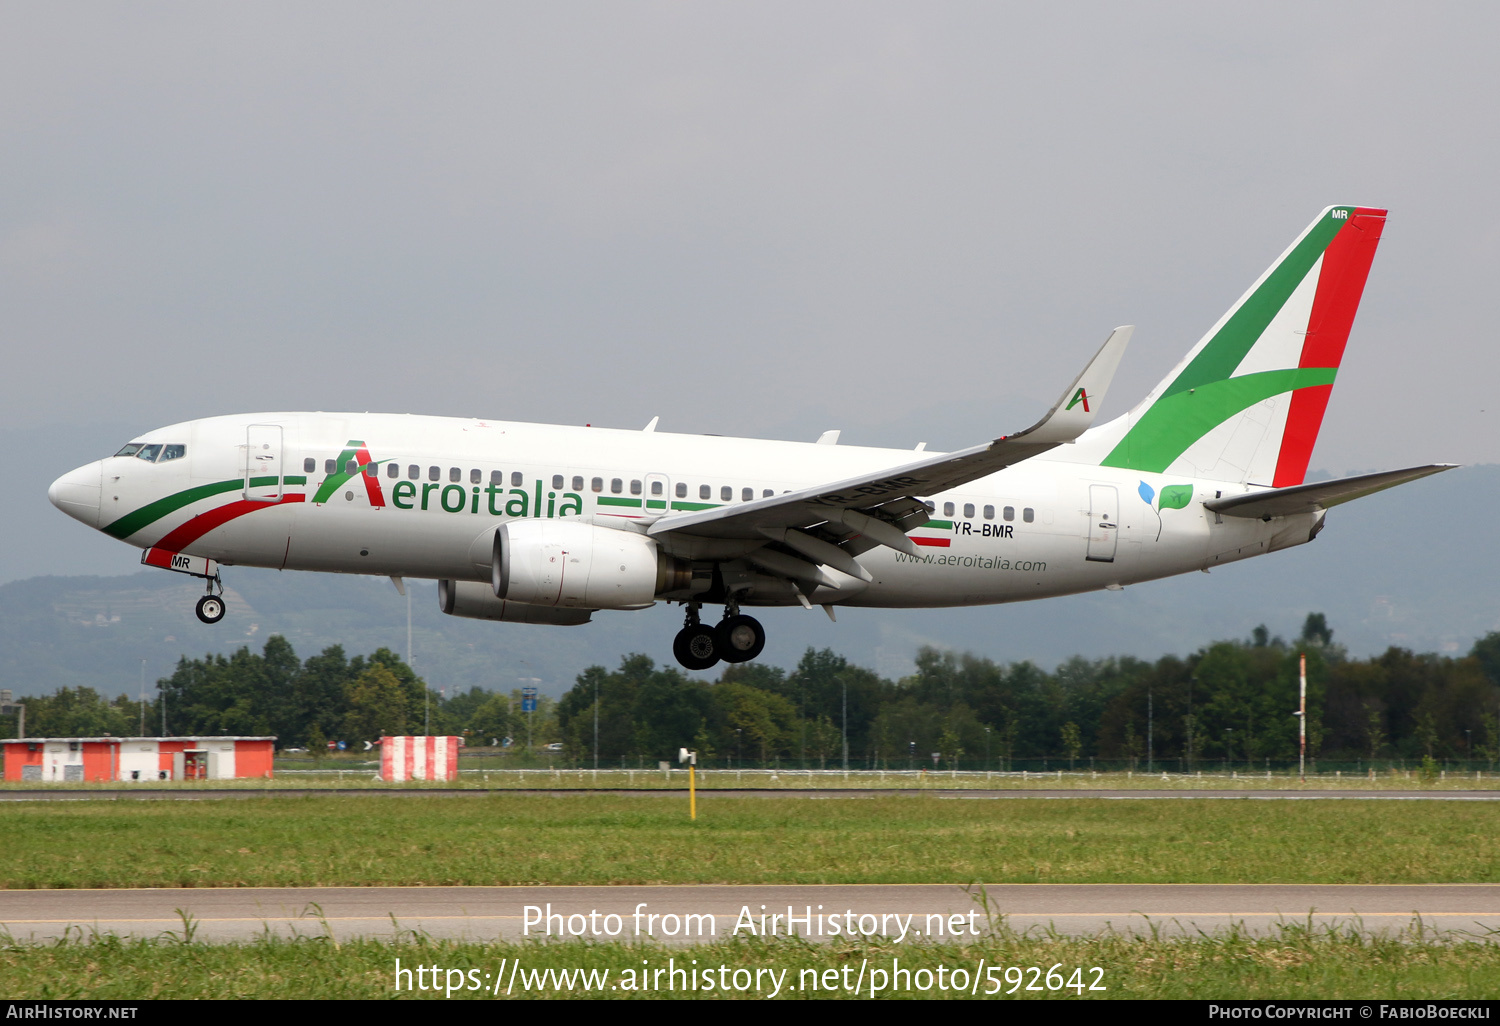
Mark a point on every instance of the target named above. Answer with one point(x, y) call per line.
point(740, 638)
point(210, 609)
point(696, 647)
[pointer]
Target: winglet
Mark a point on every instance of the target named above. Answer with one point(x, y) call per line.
point(1074, 411)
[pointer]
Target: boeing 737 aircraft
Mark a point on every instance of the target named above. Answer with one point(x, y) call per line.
point(535, 523)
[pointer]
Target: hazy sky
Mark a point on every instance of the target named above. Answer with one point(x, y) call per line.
point(913, 222)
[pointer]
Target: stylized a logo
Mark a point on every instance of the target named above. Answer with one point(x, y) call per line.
point(353, 462)
point(1080, 396)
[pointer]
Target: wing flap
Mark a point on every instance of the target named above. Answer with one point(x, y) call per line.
point(1309, 498)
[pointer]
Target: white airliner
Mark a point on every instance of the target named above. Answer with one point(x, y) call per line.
point(536, 523)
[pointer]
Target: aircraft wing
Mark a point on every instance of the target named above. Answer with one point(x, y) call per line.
point(1309, 498)
point(882, 506)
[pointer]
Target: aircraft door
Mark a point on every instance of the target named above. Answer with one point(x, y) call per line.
point(1104, 523)
point(263, 473)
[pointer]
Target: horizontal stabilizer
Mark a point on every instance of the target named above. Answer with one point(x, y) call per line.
point(1309, 498)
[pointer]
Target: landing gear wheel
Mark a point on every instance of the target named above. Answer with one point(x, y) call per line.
point(740, 638)
point(210, 609)
point(696, 646)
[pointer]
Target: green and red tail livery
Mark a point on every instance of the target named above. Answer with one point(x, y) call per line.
point(1247, 401)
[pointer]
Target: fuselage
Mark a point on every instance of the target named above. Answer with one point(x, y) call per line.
point(421, 497)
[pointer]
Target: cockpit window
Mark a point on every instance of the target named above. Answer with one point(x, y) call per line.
point(154, 452)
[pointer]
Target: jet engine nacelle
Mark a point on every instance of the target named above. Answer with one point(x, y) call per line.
point(477, 600)
point(571, 564)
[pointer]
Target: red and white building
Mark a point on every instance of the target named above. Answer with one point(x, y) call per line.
point(419, 758)
point(129, 759)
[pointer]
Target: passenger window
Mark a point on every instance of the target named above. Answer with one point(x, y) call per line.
point(726, 494)
point(1010, 512)
point(455, 474)
point(557, 480)
point(130, 449)
point(149, 452)
point(413, 471)
point(705, 492)
point(351, 467)
point(597, 484)
point(577, 483)
point(1028, 514)
point(497, 477)
point(635, 488)
point(434, 473)
point(768, 493)
point(392, 470)
point(947, 509)
point(746, 494)
point(173, 452)
point(330, 466)
point(682, 489)
point(989, 512)
point(931, 506)
point(616, 486)
point(476, 475)
point(372, 470)
point(656, 487)
point(309, 465)
point(968, 510)
point(515, 479)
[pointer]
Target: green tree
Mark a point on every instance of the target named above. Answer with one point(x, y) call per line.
point(78, 712)
point(951, 746)
point(1374, 730)
point(1315, 630)
point(1134, 745)
point(317, 744)
point(494, 718)
point(375, 704)
point(824, 740)
point(1072, 742)
point(1486, 652)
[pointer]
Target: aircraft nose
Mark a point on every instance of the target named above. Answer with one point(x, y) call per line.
point(77, 492)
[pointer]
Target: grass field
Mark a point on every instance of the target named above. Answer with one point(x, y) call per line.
point(1297, 962)
point(601, 839)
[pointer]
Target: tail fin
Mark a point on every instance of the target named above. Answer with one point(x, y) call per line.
point(1246, 403)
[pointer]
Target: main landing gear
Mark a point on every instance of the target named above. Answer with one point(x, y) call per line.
point(736, 639)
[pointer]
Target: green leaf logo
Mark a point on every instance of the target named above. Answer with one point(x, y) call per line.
point(1176, 496)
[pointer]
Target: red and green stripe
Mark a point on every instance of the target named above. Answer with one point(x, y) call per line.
point(1346, 266)
point(150, 513)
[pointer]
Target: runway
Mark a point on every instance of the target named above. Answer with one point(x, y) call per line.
point(974, 794)
point(692, 913)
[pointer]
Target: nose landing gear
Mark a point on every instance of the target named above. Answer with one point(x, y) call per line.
point(210, 609)
point(736, 639)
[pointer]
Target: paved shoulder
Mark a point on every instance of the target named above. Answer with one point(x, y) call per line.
point(678, 913)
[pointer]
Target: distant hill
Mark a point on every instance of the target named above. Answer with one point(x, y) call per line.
point(1413, 567)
